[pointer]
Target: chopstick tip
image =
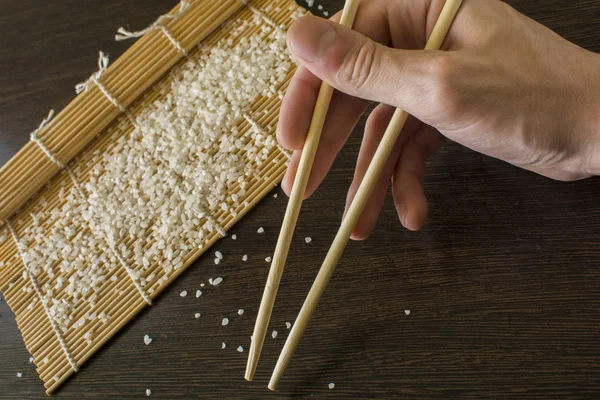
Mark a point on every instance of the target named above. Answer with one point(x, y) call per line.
point(250, 370)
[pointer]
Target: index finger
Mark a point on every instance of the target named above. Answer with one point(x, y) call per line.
point(344, 110)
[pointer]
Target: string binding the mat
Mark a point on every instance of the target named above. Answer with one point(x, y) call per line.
point(256, 126)
point(95, 79)
point(263, 16)
point(43, 299)
point(111, 246)
point(35, 138)
point(202, 213)
point(124, 34)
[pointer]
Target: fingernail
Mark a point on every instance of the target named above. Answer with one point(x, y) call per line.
point(310, 38)
point(402, 213)
point(286, 186)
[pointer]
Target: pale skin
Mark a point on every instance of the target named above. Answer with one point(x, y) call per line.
point(503, 85)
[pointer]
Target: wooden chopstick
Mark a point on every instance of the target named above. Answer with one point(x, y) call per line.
point(365, 189)
point(293, 209)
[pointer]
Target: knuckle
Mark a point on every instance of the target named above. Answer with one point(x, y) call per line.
point(358, 66)
point(447, 73)
point(444, 70)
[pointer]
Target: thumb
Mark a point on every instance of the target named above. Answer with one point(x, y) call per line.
point(360, 67)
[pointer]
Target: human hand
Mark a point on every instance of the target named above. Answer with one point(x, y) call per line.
point(505, 86)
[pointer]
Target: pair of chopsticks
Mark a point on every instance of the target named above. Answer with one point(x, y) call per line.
point(355, 210)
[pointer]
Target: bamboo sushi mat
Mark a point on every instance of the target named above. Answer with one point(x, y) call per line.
point(150, 164)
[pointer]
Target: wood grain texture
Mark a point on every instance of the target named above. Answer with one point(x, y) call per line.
point(502, 283)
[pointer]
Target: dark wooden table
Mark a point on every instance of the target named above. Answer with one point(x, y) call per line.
point(503, 283)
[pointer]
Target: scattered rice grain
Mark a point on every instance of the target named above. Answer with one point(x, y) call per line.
point(240, 311)
point(288, 325)
point(234, 237)
point(225, 321)
point(274, 334)
point(308, 239)
point(245, 258)
point(147, 340)
point(331, 385)
point(268, 259)
point(183, 294)
point(240, 349)
point(216, 281)
point(219, 255)
point(197, 315)
point(260, 230)
point(198, 293)
point(148, 392)
point(19, 374)
point(407, 312)
point(223, 345)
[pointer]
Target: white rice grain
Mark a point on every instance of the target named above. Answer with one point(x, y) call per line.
point(148, 392)
point(274, 334)
point(240, 349)
point(331, 385)
point(219, 255)
point(183, 294)
point(260, 230)
point(245, 258)
point(407, 312)
point(198, 293)
point(216, 281)
point(308, 239)
point(147, 340)
point(288, 325)
point(225, 321)
point(268, 259)
point(197, 315)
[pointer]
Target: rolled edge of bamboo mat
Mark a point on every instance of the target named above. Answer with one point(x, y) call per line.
point(40, 166)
